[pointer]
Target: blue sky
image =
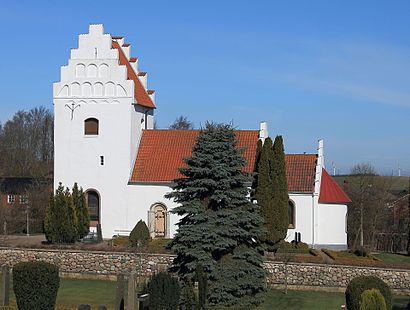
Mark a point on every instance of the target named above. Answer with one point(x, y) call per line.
point(338, 70)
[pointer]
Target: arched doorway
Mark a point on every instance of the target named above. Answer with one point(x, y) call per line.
point(158, 221)
point(93, 202)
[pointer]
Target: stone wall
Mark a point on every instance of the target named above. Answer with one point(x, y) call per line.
point(109, 264)
point(83, 262)
point(333, 276)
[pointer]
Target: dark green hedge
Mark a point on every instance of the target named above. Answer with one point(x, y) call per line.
point(164, 292)
point(35, 285)
point(358, 285)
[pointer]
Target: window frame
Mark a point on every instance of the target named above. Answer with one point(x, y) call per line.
point(11, 198)
point(91, 121)
point(292, 224)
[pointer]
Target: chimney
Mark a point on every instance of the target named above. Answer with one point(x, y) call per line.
point(320, 164)
point(320, 154)
point(263, 131)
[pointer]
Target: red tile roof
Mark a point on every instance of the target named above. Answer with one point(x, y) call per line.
point(300, 172)
point(330, 191)
point(140, 93)
point(126, 45)
point(133, 59)
point(161, 153)
point(142, 73)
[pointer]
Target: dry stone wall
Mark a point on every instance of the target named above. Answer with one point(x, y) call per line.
point(113, 263)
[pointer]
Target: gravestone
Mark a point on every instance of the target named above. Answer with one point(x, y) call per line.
point(131, 292)
point(5, 288)
point(102, 307)
point(120, 291)
point(84, 307)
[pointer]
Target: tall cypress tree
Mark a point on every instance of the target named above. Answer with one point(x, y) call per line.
point(81, 211)
point(280, 192)
point(219, 227)
point(264, 188)
point(259, 147)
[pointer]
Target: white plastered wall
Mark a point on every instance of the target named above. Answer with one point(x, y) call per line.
point(95, 85)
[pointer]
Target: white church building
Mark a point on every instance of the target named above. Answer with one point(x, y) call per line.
point(105, 141)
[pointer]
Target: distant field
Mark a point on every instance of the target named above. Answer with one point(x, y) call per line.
point(397, 183)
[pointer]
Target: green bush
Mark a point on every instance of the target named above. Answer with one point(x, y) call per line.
point(358, 285)
point(372, 300)
point(164, 292)
point(35, 285)
point(361, 251)
point(140, 234)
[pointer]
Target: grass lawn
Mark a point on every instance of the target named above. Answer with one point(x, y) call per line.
point(396, 259)
point(74, 292)
point(305, 300)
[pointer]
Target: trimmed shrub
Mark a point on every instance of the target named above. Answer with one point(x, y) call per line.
point(164, 291)
point(372, 300)
point(358, 285)
point(140, 234)
point(362, 251)
point(35, 285)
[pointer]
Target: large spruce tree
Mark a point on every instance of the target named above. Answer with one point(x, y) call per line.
point(81, 211)
point(219, 227)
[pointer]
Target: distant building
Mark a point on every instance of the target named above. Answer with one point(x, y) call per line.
point(14, 190)
point(105, 141)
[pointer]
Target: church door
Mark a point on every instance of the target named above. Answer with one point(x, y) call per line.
point(93, 201)
point(160, 222)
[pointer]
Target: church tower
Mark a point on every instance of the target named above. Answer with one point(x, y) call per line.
point(101, 105)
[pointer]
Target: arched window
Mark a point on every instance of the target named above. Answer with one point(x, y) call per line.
point(93, 202)
point(158, 221)
point(291, 215)
point(91, 126)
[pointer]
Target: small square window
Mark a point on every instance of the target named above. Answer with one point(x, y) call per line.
point(23, 199)
point(10, 198)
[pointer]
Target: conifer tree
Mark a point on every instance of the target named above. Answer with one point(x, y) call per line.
point(81, 211)
point(219, 227)
point(280, 192)
point(264, 189)
point(68, 219)
point(60, 221)
point(259, 147)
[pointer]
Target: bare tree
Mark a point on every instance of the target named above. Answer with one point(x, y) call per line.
point(182, 123)
point(369, 193)
point(26, 143)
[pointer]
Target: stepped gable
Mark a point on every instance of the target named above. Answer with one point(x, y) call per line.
point(140, 94)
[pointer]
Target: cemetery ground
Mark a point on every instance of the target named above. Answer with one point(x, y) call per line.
point(73, 292)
